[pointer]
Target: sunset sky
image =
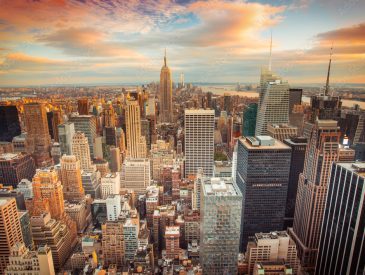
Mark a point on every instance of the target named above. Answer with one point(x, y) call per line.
point(115, 42)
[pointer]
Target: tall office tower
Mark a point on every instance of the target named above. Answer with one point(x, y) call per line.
point(113, 243)
point(322, 150)
point(79, 212)
point(10, 230)
point(55, 234)
point(113, 207)
point(273, 104)
point(263, 166)
point(197, 189)
point(172, 242)
point(24, 219)
point(54, 118)
point(87, 125)
point(133, 128)
point(9, 126)
point(161, 156)
point(48, 194)
point(66, 132)
point(15, 167)
point(136, 175)
point(115, 159)
point(166, 111)
point(249, 120)
point(342, 248)
point(296, 118)
point(221, 207)
point(71, 178)
point(83, 106)
point(275, 249)
point(80, 148)
point(295, 98)
point(227, 103)
point(199, 141)
point(38, 137)
point(130, 232)
point(110, 134)
point(146, 132)
point(110, 185)
point(8, 192)
point(352, 125)
point(281, 131)
point(109, 116)
point(163, 216)
point(23, 261)
point(298, 147)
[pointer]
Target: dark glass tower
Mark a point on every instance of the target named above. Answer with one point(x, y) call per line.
point(9, 123)
point(249, 120)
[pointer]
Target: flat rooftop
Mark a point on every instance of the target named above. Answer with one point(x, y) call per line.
point(220, 187)
point(356, 167)
point(276, 144)
point(9, 156)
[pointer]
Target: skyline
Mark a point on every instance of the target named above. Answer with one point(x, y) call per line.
point(122, 42)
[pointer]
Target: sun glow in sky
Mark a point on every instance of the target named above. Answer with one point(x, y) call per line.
point(56, 42)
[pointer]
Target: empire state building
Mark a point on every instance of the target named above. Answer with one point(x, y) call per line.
point(166, 113)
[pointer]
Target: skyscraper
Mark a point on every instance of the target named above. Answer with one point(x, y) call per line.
point(66, 132)
point(15, 167)
point(9, 126)
point(83, 106)
point(133, 128)
point(263, 165)
point(10, 230)
point(342, 242)
point(295, 98)
point(71, 179)
point(136, 175)
point(87, 125)
point(166, 111)
point(113, 243)
point(220, 229)
point(249, 120)
point(80, 148)
point(298, 146)
point(38, 137)
point(199, 141)
point(322, 150)
point(273, 104)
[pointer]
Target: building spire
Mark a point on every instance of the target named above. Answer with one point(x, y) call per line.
point(328, 74)
point(164, 59)
point(270, 52)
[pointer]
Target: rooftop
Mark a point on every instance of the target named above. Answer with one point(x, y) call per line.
point(220, 187)
point(9, 156)
point(263, 142)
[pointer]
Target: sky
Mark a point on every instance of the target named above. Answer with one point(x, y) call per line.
point(67, 42)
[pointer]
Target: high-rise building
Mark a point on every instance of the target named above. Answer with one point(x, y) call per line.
point(136, 175)
point(166, 111)
point(38, 138)
point(79, 212)
point(91, 183)
point(227, 103)
point(110, 185)
point(130, 232)
point(10, 230)
point(24, 219)
point(8, 192)
point(71, 178)
point(322, 150)
point(26, 188)
point(199, 141)
point(9, 126)
point(23, 261)
point(109, 116)
point(80, 148)
point(295, 98)
point(15, 167)
point(263, 165)
point(342, 242)
point(113, 243)
point(87, 125)
point(172, 242)
point(55, 234)
point(273, 104)
point(298, 146)
point(272, 248)
point(83, 106)
point(66, 132)
point(281, 131)
point(133, 128)
point(54, 118)
point(249, 120)
point(220, 226)
point(115, 159)
point(113, 207)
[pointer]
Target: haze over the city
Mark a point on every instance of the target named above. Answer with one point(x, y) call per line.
point(116, 42)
